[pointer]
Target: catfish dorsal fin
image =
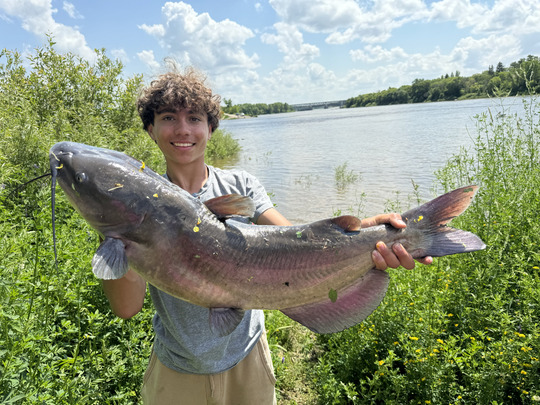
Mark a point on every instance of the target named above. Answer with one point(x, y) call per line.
point(231, 204)
point(348, 223)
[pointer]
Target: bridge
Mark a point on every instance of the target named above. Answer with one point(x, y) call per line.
point(321, 104)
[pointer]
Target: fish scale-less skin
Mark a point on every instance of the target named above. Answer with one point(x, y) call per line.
point(253, 275)
point(320, 274)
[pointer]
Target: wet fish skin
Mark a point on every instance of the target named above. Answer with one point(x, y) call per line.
point(320, 274)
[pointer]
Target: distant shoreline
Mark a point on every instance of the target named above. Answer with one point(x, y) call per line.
point(227, 116)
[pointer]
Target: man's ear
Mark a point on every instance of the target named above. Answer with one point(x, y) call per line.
point(150, 130)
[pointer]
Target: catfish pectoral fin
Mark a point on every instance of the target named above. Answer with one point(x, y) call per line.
point(343, 308)
point(110, 260)
point(224, 320)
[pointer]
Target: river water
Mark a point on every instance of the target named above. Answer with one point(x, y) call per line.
point(295, 155)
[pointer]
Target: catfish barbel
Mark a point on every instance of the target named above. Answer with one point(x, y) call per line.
point(320, 274)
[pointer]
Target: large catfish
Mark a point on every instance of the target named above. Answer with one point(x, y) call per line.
point(320, 274)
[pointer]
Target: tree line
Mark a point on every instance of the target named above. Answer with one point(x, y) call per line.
point(520, 78)
point(255, 109)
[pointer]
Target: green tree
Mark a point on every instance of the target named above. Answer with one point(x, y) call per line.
point(453, 88)
point(420, 90)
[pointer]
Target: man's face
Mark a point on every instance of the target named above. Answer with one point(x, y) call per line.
point(181, 135)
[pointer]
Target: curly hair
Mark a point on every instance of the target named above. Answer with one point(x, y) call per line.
point(174, 90)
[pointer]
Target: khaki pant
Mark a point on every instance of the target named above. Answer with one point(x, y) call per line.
point(250, 382)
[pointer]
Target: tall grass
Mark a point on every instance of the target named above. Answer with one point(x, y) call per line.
point(466, 329)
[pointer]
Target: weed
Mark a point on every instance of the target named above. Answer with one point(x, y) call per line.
point(345, 177)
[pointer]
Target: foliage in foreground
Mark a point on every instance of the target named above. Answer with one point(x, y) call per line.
point(466, 329)
point(59, 341)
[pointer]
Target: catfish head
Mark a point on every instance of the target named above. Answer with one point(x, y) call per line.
point(101, 185)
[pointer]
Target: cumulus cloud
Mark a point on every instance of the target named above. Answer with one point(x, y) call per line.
point(289, 41)
point(197, 39)
point(505, 16)
point(148, 58)
point(70, 9)
point(121, 55)
point(318, 15)
point(469, 56)
point(492, 33)
point(347, 20)
point(487, 51)
point(376, 53)
point(36, 17)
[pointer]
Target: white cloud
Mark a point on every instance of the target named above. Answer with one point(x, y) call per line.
point(346, 20)
point(394, 67)
point(491, 32)
point(487, 51)
point(318, 15)
point(376, 53)
point(36, 16)
point(120, 54)
point(506, 16)
point(196, 39)
point(289, 41)
point(70, 9)
point(148, 58)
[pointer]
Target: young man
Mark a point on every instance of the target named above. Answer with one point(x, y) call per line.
point(189, 364)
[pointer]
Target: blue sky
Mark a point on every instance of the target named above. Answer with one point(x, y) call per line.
point(285, 50)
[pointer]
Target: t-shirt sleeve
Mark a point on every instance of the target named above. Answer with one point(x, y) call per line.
point(260, 197)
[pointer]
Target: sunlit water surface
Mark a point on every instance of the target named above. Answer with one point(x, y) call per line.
point(295, 155)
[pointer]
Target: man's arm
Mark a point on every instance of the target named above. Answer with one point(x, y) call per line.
point(126, 295)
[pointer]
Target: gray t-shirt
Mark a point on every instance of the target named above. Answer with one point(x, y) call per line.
point(184, 341)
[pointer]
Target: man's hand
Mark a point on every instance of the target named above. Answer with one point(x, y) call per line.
point(383, 256)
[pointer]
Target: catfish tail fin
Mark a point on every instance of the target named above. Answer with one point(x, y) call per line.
point(431, 219)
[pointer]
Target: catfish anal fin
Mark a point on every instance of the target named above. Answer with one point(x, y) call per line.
point(344, 308)
point(110, 260)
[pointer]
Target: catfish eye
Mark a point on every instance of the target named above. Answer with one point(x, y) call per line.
point(81, 177)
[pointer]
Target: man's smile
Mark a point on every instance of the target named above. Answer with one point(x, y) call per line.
point(183, 144)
